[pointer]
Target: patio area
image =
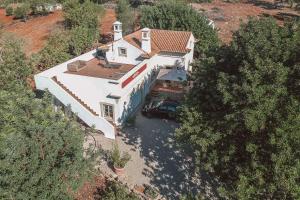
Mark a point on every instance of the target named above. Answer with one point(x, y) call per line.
point(156, 160)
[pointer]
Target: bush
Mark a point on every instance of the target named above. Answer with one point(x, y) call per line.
point(81, 38)
point(116, 191)
point(21, 12)
point(119, 160)
point(9, 11)
point(151, 192)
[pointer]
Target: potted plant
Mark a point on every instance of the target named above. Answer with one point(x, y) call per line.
point(119, 161)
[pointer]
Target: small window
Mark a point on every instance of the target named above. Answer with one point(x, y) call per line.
point(145, 35)
point(116, 27)
point(122, 52)
point(108, 111)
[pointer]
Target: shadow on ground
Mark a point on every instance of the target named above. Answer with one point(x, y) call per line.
point(170, 171)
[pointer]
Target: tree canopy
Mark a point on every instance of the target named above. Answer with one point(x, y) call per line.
point(41, 151)
point(241, 119)
point(125, 15)
point(176, 15)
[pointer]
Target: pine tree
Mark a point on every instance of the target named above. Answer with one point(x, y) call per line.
point(241, 118)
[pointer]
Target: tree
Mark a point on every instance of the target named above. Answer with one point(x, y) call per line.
point(41, 151)
point(9, 11)
point(81, 38)
point(13, 65)
point(176, 15)
point(125, 15)
point(241, 119)
point(56, 51)
point(22, 11)
point(85, 14)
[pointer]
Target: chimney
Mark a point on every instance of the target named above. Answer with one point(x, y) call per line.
point(146, 41)
point(117, 30)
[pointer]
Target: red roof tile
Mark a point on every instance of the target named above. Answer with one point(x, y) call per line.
point(162, 40)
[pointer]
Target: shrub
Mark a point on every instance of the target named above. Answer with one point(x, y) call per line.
point(116, 191)
point(119, 160)
point(21, 12)
point(151, 192)
point(9, 11)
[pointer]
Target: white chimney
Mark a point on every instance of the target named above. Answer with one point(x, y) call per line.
point(117, 30)
point(146, 41)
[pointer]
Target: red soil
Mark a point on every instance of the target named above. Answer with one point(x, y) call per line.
point(107, 21)
point(228, 16)
point(5, 20)
point(90, 188)
point(35, 31)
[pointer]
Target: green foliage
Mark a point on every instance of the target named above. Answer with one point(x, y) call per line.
point(56, 51)
point(80, 39)
point(241, 118)
point(13, 66)
point(85, 14)
point(176, 15)
point(41, 151)
point(125, 15)
point(22, 11)
point(9, 10)
point(119, 160)
point(115, 191)
point(151, 192)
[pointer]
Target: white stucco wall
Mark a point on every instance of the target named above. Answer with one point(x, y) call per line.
point(43, 83)
point(132, 53)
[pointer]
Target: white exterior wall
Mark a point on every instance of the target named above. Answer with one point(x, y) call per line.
point(90, 90)
point(189, 57)
point(43, 83)
point(132, 53)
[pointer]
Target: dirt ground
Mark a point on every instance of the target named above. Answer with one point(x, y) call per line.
point(36, 31)
point(107, 21)
point(228, 16)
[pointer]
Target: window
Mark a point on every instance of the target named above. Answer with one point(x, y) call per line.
point(145, 35)
point(108, 111)
point(116, 27)
point(122, 51)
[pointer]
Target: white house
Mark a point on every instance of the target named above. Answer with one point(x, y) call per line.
point(104, 86)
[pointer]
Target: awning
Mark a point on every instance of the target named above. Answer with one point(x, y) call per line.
point(172, 74)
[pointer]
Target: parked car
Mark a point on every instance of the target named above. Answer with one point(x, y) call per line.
point(161, 109)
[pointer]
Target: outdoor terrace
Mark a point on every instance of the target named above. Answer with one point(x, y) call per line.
point(99, 68)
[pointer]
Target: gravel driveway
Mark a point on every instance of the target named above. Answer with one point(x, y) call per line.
point(155, 159)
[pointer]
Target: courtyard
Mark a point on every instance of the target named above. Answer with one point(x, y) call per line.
point(155, 159)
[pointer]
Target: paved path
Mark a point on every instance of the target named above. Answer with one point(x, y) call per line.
point(155, 159)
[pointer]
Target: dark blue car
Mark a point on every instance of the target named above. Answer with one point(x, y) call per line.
point(161, 109)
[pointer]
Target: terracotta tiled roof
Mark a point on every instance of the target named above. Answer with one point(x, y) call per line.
point(162, 40)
